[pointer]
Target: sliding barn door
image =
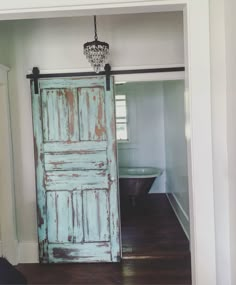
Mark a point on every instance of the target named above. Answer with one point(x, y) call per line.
point(75, 156)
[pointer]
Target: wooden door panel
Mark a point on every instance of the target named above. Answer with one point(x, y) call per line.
point(78, 217)
point(76, 180)
point(75, 147)
point(95, 251)
point(96, 216)
point(60, 115)
point(71, 83)
point(59, 217)
point(75, 161)
point(92, 114)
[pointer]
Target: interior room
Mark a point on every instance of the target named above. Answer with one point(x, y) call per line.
point(155, 123)
point(209, 86)
point(152, 146)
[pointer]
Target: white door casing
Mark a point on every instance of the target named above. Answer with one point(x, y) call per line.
point(9, 243)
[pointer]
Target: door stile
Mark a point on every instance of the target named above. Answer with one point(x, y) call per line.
point(39, 168)
point(113, 176)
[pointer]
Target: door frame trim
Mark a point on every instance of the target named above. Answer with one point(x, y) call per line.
point(8, 239)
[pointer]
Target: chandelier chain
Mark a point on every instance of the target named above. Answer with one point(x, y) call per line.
point(95, 29)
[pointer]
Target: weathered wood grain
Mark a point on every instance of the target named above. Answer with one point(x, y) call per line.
point(91, 114)
point(59, 215)
point(76, 180)
point(74, 127)
point(75, 161)
point(39, 167)
point(72, 82)
point(60, 115)
point(96, 215)
point(92, 252)
point(78, 235)
point(113, 179)
point(75, 147)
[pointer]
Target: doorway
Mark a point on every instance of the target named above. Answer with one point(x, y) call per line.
point(153, 172)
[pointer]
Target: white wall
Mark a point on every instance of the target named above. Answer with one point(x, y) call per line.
point(176, 150)
point(146, 146)
point(57, 44)
point(127, 35)
point(3, 60)
point(6, 182)
point(230, 23)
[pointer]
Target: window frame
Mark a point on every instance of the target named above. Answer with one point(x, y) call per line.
point(126, 118)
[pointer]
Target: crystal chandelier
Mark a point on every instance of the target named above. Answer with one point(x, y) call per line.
point(96, 52)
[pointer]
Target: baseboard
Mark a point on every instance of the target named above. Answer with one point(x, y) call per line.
point(28, 252)
point(9, 250)
point(180, 213)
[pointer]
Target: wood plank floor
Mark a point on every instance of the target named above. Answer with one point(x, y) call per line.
point(155, 252)
point(152, 230)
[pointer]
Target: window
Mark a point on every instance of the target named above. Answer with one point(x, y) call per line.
point(121, 118)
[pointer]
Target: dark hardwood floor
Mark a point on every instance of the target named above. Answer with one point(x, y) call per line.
point(152, 230)
point(129, 272)
point(155, 252)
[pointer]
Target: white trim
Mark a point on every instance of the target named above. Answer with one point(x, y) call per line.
point(181, 208)
point(10, 249)
point(7, 199)
point(220, 78)
point(199, 143)
point(44, 9)
point(75, 4)
point(179, 212)
point(28, 252)
point(127, 145)
point(163, 76)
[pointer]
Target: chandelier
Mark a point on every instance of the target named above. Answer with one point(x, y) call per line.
point(96, 52)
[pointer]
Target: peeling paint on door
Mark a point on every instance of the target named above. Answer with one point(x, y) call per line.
point(76, 175)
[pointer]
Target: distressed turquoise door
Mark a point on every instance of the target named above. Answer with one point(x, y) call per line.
point(76, 175)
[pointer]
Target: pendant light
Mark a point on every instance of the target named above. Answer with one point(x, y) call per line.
point(96, 52)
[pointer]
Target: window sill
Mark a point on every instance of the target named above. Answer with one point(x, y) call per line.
point(126, 145)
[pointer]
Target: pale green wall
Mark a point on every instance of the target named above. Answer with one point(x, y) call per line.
point(176, 150)
point(4, 53)
point(5, 43)
point(146, 128)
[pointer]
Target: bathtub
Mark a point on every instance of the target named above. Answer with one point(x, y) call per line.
point(135, 182)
